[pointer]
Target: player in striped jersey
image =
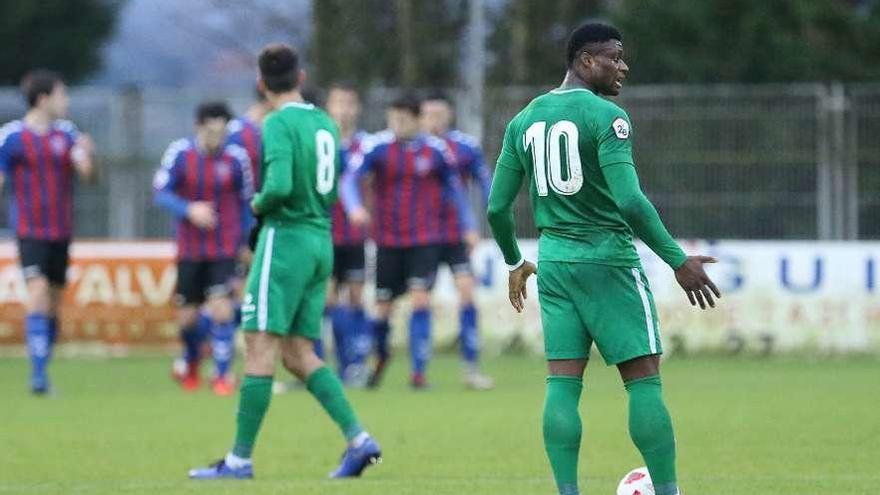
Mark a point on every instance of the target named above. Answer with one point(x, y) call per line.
point(245, 132)
point(437, 117)
point(40, 155)
point(352, 333)
point(206, 186)
point(413, 176)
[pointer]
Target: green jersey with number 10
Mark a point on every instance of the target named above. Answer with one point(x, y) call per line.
point(300, 167)
point(560, 141)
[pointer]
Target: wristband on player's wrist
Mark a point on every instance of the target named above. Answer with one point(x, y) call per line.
point(516, 265)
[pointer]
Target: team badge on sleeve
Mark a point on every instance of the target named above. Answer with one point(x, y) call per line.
point(621, 128)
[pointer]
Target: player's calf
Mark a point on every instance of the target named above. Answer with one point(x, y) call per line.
point(222, 342)
point(381, 332)
point(195, 326)
point(38, 333)
point(651, 430)
point(420, 345)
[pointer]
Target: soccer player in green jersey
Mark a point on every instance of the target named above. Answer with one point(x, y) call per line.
point(574, 149)
point(293, 258)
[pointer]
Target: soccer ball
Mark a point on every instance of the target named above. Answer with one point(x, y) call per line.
point(636, 482)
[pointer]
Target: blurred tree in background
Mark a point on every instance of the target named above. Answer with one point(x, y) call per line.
point(400, 42)
point(63, 35)
point(527, 43)
point(752, 41)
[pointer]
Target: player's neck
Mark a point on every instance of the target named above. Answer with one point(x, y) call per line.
point(38, 120)
point(203, 148)
point(256, 113)
point(347, 132)
point(572, 81)
point(280, 99)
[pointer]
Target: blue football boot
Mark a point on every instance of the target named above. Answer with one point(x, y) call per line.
point(356, 459)
point(39, 384)
point(219, 470)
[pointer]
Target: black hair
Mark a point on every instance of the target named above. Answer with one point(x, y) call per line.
point(438, 95)
point(212, 110)
point(279, 67)
point(589, 32)
point(37, 83)
point(408, 102)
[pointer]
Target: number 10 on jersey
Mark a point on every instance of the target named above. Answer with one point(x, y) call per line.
point(548, 148)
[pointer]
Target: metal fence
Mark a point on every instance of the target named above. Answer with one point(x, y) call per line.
point(735, 162)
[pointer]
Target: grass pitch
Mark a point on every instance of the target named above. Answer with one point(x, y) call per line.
point(743, 427)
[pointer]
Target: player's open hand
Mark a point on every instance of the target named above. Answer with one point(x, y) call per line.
point(516, 285)
point(201, 214)
point(359, 217)
point(696, 284)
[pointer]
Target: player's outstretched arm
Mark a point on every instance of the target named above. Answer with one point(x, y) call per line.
point(645, 222)
point(618, 168)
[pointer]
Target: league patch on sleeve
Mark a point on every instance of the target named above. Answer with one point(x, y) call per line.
point(621, 128)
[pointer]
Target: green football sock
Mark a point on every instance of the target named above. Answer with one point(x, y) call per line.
point(562, 430)
point(256, 392)
point(651, 430)
point(327, 388)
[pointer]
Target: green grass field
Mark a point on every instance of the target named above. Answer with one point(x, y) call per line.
point(744, 426)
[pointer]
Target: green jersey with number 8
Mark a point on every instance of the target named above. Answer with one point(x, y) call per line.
point(302, 189)
point(287, 284)
point(560, 142)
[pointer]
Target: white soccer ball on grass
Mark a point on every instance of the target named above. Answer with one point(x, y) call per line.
point(636, 482)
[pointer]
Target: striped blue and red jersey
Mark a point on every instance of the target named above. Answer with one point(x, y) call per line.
point(470, 167)
point(246, 133)
point(224, 179)
point(411, 181)
point(344, 233)
point(40, 170)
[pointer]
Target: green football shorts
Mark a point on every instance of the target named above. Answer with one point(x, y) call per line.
point(287, 283)
point(583, 303)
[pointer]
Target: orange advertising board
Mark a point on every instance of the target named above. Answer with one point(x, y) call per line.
point(117, 293)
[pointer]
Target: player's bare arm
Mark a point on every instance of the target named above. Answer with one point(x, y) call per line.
point(83, 157)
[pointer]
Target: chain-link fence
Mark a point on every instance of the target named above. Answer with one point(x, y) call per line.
point(734, 162)
point(863, 158)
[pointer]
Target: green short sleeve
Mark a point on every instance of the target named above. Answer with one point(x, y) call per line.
point(614, 136)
